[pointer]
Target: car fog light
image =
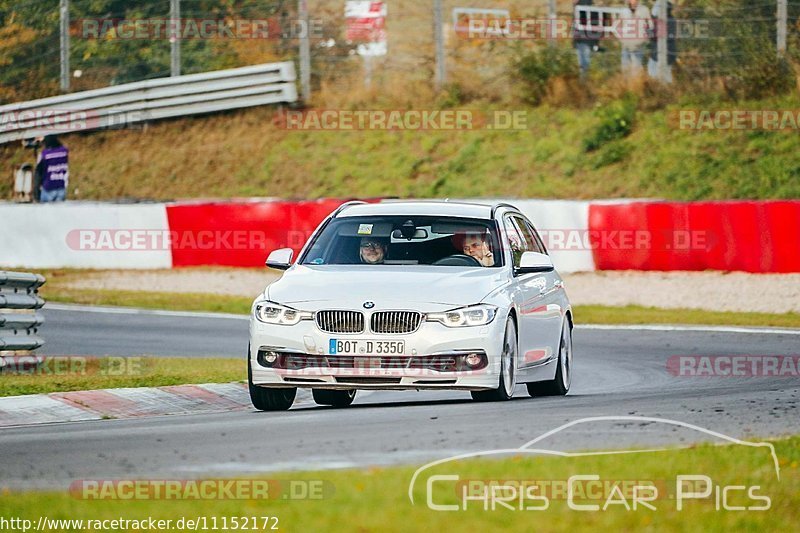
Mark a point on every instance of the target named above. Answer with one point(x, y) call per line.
point(473, 359)
point(270, 357)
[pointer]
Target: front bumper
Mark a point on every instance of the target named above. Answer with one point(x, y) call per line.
point(418, 368)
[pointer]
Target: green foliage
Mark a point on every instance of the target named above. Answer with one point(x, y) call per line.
point(741, 53)
point(29, 43)
point(535, 70)
point(615, 122)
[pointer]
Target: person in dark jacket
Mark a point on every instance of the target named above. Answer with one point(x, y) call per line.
point(52, 171)
point(672, 45)
point(583, 40)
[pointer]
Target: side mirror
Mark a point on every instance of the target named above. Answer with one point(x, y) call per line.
point(280, 259)
point(533, 262)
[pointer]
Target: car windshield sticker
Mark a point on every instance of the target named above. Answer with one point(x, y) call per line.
point(365, 229)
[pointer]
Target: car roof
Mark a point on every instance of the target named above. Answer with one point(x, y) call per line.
point(420, 208)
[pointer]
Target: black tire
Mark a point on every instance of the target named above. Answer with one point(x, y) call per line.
point(558, 386)
point(334, 398)
point(268, 399)
point(503, 392)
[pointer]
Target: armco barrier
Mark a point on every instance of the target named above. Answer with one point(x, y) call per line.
point(747, 236)
point(18, 330)
point(177, 96)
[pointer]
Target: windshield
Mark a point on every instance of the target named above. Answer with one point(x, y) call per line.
point(403, 240)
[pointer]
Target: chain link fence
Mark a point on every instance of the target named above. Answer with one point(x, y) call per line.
point(728, 46)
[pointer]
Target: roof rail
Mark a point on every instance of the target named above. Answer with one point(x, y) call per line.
point(497, 206)
point(345, 206)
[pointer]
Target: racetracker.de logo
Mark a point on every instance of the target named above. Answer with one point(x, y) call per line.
point(201, 489)
point(197, 28)
point(566, 29)
point(734, 366)
point(403, 120)
point(45, 121)
point(735, 119)
point(141, 240)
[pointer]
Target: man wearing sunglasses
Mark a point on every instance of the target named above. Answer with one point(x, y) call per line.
point(372, 250)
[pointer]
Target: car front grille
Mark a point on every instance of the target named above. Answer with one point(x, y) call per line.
point(340, 321)
point(395, 321)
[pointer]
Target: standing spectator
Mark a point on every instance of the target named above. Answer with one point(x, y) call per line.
point(672, 45)
point(584, 40)
point(636, 25)
point(52, 171)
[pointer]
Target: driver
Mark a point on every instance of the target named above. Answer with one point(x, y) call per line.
point(477, 245)
point(372, 250)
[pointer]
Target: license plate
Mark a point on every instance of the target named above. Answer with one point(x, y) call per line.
point(366, 347)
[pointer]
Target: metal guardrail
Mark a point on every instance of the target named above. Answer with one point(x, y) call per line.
point(122, 105)
point(19, 292)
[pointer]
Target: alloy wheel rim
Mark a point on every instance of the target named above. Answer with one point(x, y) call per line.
point(508, 365)
point(566, 359)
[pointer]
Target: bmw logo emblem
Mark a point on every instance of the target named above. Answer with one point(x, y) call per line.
point(369, 305)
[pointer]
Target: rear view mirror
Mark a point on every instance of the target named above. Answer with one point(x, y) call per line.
point(280, 259)
point(419, 235)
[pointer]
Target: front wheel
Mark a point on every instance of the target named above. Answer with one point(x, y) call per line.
point(265, 399)
point(508, 369)
point(559, 386)
point(334, 398)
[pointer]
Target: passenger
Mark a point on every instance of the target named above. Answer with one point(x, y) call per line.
point(477, 245)
point(373, 250)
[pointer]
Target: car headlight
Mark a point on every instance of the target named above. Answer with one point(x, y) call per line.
point(272, 313)
point(474, 315)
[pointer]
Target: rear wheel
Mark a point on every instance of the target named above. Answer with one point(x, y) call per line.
point(266, 399)
point(508, 369)
point(335, 398)
point(559, 386)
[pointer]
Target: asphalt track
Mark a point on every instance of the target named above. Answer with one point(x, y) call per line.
point(619, 372)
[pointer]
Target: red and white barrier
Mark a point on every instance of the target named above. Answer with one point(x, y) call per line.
point(83, 235)
point(744, 236)
point(581, 236)
point(241, 233)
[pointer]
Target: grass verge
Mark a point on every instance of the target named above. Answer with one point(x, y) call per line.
point(376, 499)
point(210, 303)
point(634, 314)
point(71, 373)
point(584, 314)
point(242, 154)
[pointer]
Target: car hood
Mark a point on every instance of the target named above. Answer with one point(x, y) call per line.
point(312, 288)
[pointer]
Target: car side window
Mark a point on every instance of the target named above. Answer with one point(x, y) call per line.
point(515, 240)
point(538, 238)
point(532, 241)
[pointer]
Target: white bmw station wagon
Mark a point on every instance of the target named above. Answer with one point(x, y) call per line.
point(412, 295)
